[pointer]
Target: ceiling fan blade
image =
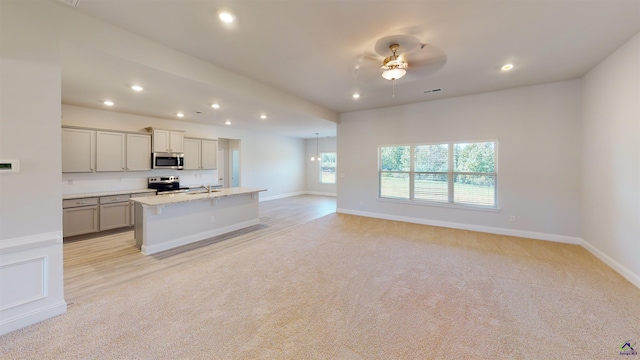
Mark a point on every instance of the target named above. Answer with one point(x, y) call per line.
point(366, 66)
point(427, 60)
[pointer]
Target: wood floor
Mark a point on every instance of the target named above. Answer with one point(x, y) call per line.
point(98, 262)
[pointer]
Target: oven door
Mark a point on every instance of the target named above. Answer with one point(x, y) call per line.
point(167, 161)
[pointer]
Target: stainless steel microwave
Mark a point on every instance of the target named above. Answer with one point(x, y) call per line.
point(167, 161)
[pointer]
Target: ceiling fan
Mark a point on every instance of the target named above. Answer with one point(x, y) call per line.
point(399, 55)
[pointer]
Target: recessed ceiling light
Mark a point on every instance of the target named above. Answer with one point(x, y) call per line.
point(215, 106)
point(507, 67)
point(227, 122)
point(356, 96)
point(137, 88)
point(108, 102)
point(180, 115)
point(226, 17)
point(263, 116)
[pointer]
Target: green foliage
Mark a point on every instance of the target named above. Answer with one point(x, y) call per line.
point(395, 158)
point(474, 157)
point(477, 158)
point(432, 158)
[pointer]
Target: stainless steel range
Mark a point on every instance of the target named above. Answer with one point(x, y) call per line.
point(166, 185)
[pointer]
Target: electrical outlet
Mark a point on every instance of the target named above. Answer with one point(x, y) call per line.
point(512, 218)
point(70, 181)
point(213, 218)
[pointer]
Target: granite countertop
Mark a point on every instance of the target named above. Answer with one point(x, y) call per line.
point(107, 193)
point(186, 197)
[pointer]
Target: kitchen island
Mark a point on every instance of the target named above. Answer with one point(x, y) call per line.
point(164, 222)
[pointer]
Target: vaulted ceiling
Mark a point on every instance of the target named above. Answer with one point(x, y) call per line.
point(323, 52)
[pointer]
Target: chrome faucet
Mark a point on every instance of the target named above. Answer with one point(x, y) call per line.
point(207, 187)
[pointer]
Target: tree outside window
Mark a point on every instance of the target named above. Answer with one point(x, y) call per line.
point(454, 173)
point(328, 168)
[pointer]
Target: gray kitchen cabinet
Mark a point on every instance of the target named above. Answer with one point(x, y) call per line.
point(78, 150)
point(114, 212)
point(79, 216)
point(110, 151)
point(200, 154)
point(191, 154)
point(138, 152)
point(209, 154)
point(167, 140)
point(132, 206)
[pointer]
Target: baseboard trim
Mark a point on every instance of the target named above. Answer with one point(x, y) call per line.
point(281, 196)
point(320, 193)
point(619, 268)
point(487, 229)
point(153, 249)
point(18, 322)
point(616, 266)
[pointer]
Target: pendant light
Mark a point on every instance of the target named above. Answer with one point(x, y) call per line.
point(317, 157)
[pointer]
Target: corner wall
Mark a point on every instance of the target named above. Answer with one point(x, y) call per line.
point(611, 160)
point(538, 133)
point(31, 279)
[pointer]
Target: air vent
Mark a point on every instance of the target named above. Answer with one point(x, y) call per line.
point(431, 91)
point(73, 3)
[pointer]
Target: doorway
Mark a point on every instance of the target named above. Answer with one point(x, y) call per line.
point(229, 168)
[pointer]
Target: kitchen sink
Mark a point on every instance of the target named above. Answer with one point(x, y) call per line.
point(201, 192)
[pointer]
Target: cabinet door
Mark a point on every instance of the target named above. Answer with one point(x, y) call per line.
point(110, 151)
point(114, 216)
point(209, 155)
point(176, 142)
point(138, 152)
point(161, 140)
point(78, 150)
point(80, 220)
point(191, 154)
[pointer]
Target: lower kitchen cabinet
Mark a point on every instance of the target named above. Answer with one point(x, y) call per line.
point(90, 215)
point(80, 216)
point(114, 212)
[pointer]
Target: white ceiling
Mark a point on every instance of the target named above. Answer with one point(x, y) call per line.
point(309, 49)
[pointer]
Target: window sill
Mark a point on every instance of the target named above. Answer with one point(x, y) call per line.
point(437, 204)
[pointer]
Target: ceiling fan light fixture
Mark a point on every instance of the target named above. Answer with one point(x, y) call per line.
point(394, 74)
point(393, 65)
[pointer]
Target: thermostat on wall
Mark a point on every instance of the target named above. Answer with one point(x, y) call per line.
point(9, 166)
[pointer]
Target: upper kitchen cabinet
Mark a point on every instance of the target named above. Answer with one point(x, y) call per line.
point(78, 150)
point(209, 154)
point(138, 152)
point(167, 140)
point(200, 154)
point(110, 151)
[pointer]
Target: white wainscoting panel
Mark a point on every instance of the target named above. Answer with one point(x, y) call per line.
point(14, 290)
point(31, 280)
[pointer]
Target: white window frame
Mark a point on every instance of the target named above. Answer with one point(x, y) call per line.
point(450, 173)
point(335, 179)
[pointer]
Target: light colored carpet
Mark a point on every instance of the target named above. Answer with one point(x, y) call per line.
point(348, 287)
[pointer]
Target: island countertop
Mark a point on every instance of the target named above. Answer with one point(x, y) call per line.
point(186, 197)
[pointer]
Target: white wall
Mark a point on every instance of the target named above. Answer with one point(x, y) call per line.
point(327, 144)
point(611, 160)
point(538, 131)
point(31, 281)
point(267, 161)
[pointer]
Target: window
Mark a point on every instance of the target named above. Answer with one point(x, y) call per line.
point(453, 173)
point(328, 168)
